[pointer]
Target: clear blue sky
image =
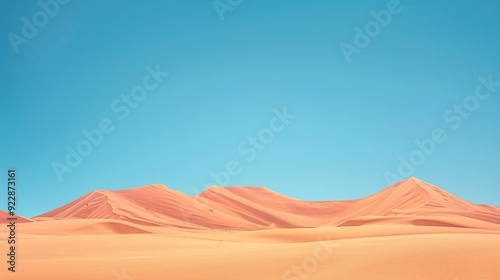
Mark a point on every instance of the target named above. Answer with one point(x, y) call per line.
point(352, 120)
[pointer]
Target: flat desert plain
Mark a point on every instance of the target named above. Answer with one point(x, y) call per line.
point(410, 230)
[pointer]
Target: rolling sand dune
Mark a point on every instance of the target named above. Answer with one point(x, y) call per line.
point(252, 208)
point(421, 202)
point(223, 208)
point(266, 208)
point(288, 255)
point(410, 230)
point(4, 215)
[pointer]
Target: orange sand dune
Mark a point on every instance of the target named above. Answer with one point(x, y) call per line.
point(416, 198)
point(151, 205)
point(85, 226)
point(415, 202)
point(270, 209)
point(286, 254)
point(411, 230)
point(380, 226)
point(217, 207)
point(4, 215)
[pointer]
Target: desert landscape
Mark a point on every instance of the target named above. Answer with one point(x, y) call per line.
point(410, 230)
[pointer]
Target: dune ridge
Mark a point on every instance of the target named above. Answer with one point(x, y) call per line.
point(410, 230)
point(410, 202)
point(20, 219)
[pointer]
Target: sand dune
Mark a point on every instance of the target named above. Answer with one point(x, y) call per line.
point(286, 254)
point(4, 215)
point(266, 208)
point(252, 208)
point(149, 205)
point(414, 198)
point(247, 208)
point(410, 230)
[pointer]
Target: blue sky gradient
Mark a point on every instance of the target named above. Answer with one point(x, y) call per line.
point(226, 79)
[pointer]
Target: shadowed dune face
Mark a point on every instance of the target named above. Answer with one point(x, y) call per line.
point(410, 202)
point(269, 209)
point(413, 198)
point(4, 215)
point(409, 229)
point(244, 208)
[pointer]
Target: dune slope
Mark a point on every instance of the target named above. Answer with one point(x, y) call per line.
point(410, 202)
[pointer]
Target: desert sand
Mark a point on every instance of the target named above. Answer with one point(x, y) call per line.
point(410, 230)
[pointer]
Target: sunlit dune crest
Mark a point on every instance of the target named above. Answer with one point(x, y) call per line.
point(410, 230)
point(410, 202)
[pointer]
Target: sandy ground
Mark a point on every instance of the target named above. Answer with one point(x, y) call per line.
point(316, 253)
point(410, 230)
